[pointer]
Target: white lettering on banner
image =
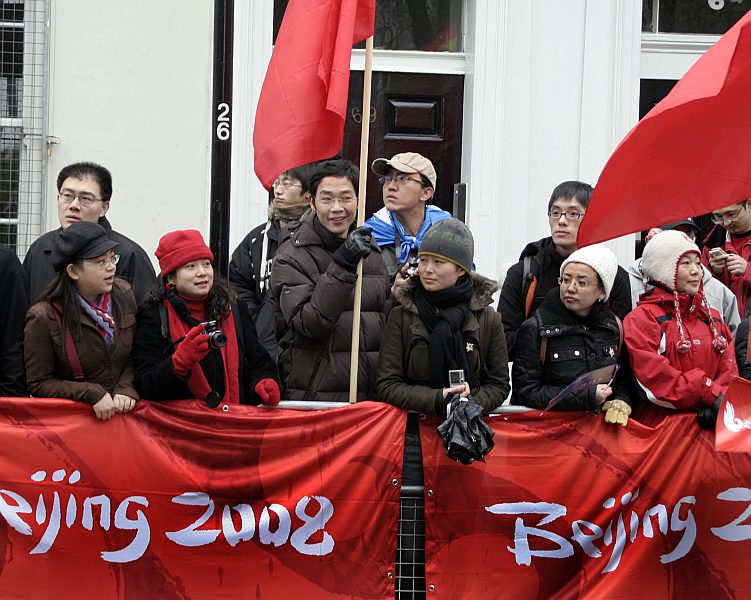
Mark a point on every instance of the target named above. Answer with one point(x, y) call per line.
point(132, 551)
point(619, 531)
point(14, 505)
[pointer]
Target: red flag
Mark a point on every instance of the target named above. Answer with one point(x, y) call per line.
point(733, 428)
point(301, 110)
point(689, 155)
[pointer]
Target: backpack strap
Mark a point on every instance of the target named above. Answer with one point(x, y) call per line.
point(620, 334)
point(70, 347)
point(529, 280)
point(164, 321)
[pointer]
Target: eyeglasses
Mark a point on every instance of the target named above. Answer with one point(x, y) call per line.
point(571, 215)
point(286, 184)
point(729, 215)
point(568, 282)
point(399, 179)
point(106, 262)
point(83, 199)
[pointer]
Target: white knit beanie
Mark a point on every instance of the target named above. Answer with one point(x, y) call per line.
point(601, 259)
point(662, 254)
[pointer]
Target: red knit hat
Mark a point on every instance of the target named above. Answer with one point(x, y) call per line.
point(178, 248)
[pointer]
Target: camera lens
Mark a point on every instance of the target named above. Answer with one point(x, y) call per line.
point(217, 340)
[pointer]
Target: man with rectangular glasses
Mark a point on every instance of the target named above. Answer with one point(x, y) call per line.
point(84, 193)
point(536, 274)
point(408, 181)
point(727, 249)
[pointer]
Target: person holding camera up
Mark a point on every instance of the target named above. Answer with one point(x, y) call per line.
point(78, 337)
point(193, 339)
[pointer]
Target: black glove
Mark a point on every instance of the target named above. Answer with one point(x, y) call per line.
point(356, 247)
point(707, 415)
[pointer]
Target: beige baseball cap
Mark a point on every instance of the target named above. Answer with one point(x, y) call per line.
point(406, 162)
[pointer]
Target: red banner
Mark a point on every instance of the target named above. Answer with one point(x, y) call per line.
point(568, 507)
point(733, 430)
point(176, 500)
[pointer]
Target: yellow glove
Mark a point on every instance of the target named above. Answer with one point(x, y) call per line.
point(616, 411)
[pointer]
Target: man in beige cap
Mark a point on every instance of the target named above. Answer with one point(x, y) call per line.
point(408, 181)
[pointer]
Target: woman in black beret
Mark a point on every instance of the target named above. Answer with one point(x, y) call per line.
point(78, 337)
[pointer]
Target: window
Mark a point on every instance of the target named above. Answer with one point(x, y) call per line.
point(427, 25)
point(23, 51)
point(712, 17)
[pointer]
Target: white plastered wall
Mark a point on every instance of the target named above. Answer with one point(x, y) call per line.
point(551, 89)
point(130, 88)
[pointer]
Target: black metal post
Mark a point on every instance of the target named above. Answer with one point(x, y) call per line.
point(221, 140)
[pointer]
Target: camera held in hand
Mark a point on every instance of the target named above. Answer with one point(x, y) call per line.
point(217, 339)
point(411, 268)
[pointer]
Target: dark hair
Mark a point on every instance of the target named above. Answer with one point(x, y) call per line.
point(82, 170)
point(63, 292)
point(217, 302)
point(303, 174)
point(578, 190)
point(335, 168)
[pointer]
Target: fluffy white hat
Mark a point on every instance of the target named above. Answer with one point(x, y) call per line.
point(661, 256)
point(601, 259)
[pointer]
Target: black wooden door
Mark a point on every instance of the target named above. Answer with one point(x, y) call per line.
point(410, 112)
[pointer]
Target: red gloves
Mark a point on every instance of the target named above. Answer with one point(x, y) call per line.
point(268, 391)
point(192, 349)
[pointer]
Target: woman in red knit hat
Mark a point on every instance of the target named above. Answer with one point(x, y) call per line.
point(192, 339)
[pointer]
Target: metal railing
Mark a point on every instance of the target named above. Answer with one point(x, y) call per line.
point(410, 583)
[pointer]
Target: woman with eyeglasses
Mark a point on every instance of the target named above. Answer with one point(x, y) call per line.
point(573, 332)
point(194, 339)
point(78, 337)
point(727, 251)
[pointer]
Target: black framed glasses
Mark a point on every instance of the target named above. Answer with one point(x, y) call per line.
point(571, 215)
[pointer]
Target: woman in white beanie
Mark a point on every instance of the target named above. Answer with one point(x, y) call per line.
point(574, 331)
point(681, 351)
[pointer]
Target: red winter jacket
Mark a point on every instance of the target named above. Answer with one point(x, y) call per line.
point(668, 379)
point(740, 285)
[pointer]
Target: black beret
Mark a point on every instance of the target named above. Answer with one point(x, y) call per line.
point(80, 240)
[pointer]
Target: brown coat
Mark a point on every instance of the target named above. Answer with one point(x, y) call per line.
point(313, 299)
point(106, 370)
point(403, 373)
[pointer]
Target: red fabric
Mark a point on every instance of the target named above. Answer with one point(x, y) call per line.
point(262, 462)
point(733, 429)
point(740, 285)
point(303, 102)
point(672, 380)
point(197, 383)
point(178, 248)
point(268, 391)
point(689, 155)
point(478, 517)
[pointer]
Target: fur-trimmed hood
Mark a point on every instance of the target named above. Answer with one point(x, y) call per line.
point(481, 297)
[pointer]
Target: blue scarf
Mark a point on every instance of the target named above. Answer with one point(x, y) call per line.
point(385, 226)
point(101, 313)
